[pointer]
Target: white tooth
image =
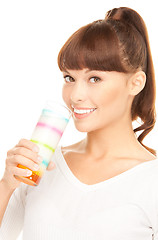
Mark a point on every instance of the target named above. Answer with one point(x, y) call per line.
point(83, 111)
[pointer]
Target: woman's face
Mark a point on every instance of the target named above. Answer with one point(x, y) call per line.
point(96, 98)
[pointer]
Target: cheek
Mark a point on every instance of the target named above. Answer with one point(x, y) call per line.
point(113, 99)
point(65, 94)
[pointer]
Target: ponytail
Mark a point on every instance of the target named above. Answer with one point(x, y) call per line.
point(139, 57)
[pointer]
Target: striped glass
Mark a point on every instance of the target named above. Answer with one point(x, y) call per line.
point(47, 134)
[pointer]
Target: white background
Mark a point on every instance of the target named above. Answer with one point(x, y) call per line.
point(31, 35)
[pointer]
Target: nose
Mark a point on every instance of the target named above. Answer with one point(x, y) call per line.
point(79, 92)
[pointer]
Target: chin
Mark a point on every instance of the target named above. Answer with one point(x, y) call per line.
point(81, 129)
point(84, 127)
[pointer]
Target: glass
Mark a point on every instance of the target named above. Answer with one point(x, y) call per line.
point(47, 134)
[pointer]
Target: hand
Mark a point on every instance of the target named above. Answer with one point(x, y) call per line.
point(26, 154)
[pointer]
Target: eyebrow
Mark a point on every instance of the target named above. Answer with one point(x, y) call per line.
point(66, 72)
point(88, 70)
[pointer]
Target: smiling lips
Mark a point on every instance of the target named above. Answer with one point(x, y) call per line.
point(82, 112)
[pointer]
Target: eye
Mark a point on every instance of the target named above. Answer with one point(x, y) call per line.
point(94, 79)
point(68, 78)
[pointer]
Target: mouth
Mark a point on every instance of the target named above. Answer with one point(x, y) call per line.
point(80, 113)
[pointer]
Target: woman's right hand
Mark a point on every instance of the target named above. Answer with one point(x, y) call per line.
point(24, 153)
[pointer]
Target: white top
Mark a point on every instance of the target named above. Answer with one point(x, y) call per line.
point(124, 207)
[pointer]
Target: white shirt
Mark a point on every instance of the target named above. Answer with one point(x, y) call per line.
point(61, 207)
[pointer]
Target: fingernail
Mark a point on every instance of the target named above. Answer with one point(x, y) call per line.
point(36, 149)
point(40, 159)
point(36, 167)
point(29, 173)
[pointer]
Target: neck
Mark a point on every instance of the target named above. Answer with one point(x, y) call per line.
point(115, 141)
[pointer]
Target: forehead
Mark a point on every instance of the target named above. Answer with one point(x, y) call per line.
point(84, 70)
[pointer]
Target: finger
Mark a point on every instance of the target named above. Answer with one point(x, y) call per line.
point(28, 144)
point(27, 153)
point(21, 172)
point(18, 159)
point(51, 166)
point(27, 163)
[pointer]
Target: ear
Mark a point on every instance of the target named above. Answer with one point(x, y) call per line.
point(137, 83)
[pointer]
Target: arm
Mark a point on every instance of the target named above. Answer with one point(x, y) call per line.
point(12, 192)
point(25, 153)
point(13, 211)
point(5, 194)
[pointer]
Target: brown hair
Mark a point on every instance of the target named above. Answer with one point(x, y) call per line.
point(117, 43)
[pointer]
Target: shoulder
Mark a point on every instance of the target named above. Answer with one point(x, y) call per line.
point(72, 148)
point(149, 174)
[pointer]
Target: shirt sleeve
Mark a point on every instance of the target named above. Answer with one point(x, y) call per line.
point(13, 219)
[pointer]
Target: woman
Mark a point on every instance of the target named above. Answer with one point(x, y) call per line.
point(105, 186)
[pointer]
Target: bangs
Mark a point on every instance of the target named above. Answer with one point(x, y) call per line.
point(94, 46)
